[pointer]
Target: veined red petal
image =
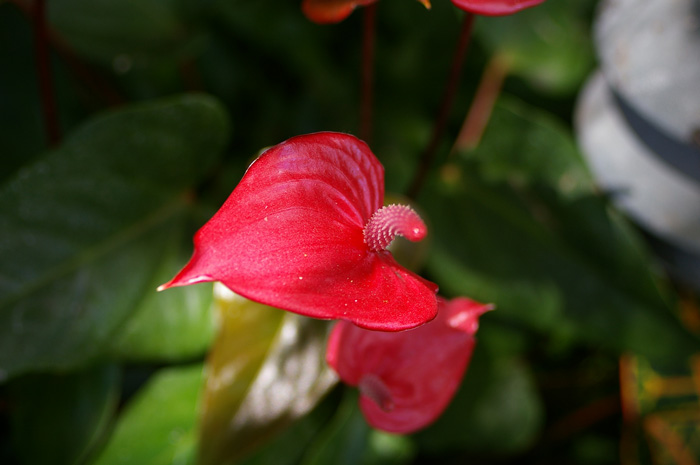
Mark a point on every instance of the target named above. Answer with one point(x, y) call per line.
point(330, 11)
point(407, 379)
point(291, 236)
point(495, 7)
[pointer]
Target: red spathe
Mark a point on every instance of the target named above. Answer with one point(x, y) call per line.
point(495, 7)
point(291, 236)
point(330, 11)
point(407, 379)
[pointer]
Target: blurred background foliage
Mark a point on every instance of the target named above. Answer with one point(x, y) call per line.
point(161, 106)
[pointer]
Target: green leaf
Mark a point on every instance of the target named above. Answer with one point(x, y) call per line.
point(549, 44)
point(266, 369)
point(345, 439)
point(348, 439)
point(289, 446)
point(58, 419)
point(497, 409)
point(123, 33)
point(174, 325)
point(158, 426)
point(84, 229)
point(524, 146)
point(552, 258)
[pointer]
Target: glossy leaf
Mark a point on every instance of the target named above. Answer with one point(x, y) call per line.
point(547, 257)
point(266, 369)
point(495, 7)
point(158, 426)
point(177, 325)
point(407, 379)
point(84, 228)
point(303, 231)
point(60, 419)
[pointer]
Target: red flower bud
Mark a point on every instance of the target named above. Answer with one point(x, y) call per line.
point(334, 11)
point(330, 11)
point(305, 231)
point(407, 379)
point(495, 7)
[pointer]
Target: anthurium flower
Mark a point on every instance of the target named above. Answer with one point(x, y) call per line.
point(305, 231)
point(334, 11)
point(407, 379)
point(495, 7)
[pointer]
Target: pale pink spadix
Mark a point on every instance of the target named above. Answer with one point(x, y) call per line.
point(391, 221)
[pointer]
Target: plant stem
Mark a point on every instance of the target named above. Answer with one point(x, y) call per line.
point(428, 156)
point(480, 110)
point(366, 102)
point(88, 77)
point(43, 63)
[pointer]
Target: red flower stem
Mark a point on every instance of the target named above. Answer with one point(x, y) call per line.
point(428, 156)
point(43, 63)
point(485, 98)
point(90, 79)
point(366, 102)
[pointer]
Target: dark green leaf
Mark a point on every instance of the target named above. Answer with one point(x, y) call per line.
point(173, 325)
point(58, 419)
point(525, 146)
point(348, 439)
point(345, 439)
point(158, 426)
point(554, 258)
point(84, 228)
point(266, 369)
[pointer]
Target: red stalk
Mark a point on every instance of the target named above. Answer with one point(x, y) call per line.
point(482, 106)
point(43, 63)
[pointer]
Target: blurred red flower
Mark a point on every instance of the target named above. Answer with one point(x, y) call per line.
point(495, 7)
point(334, 11)
point(407, 379)
point(305, 231)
